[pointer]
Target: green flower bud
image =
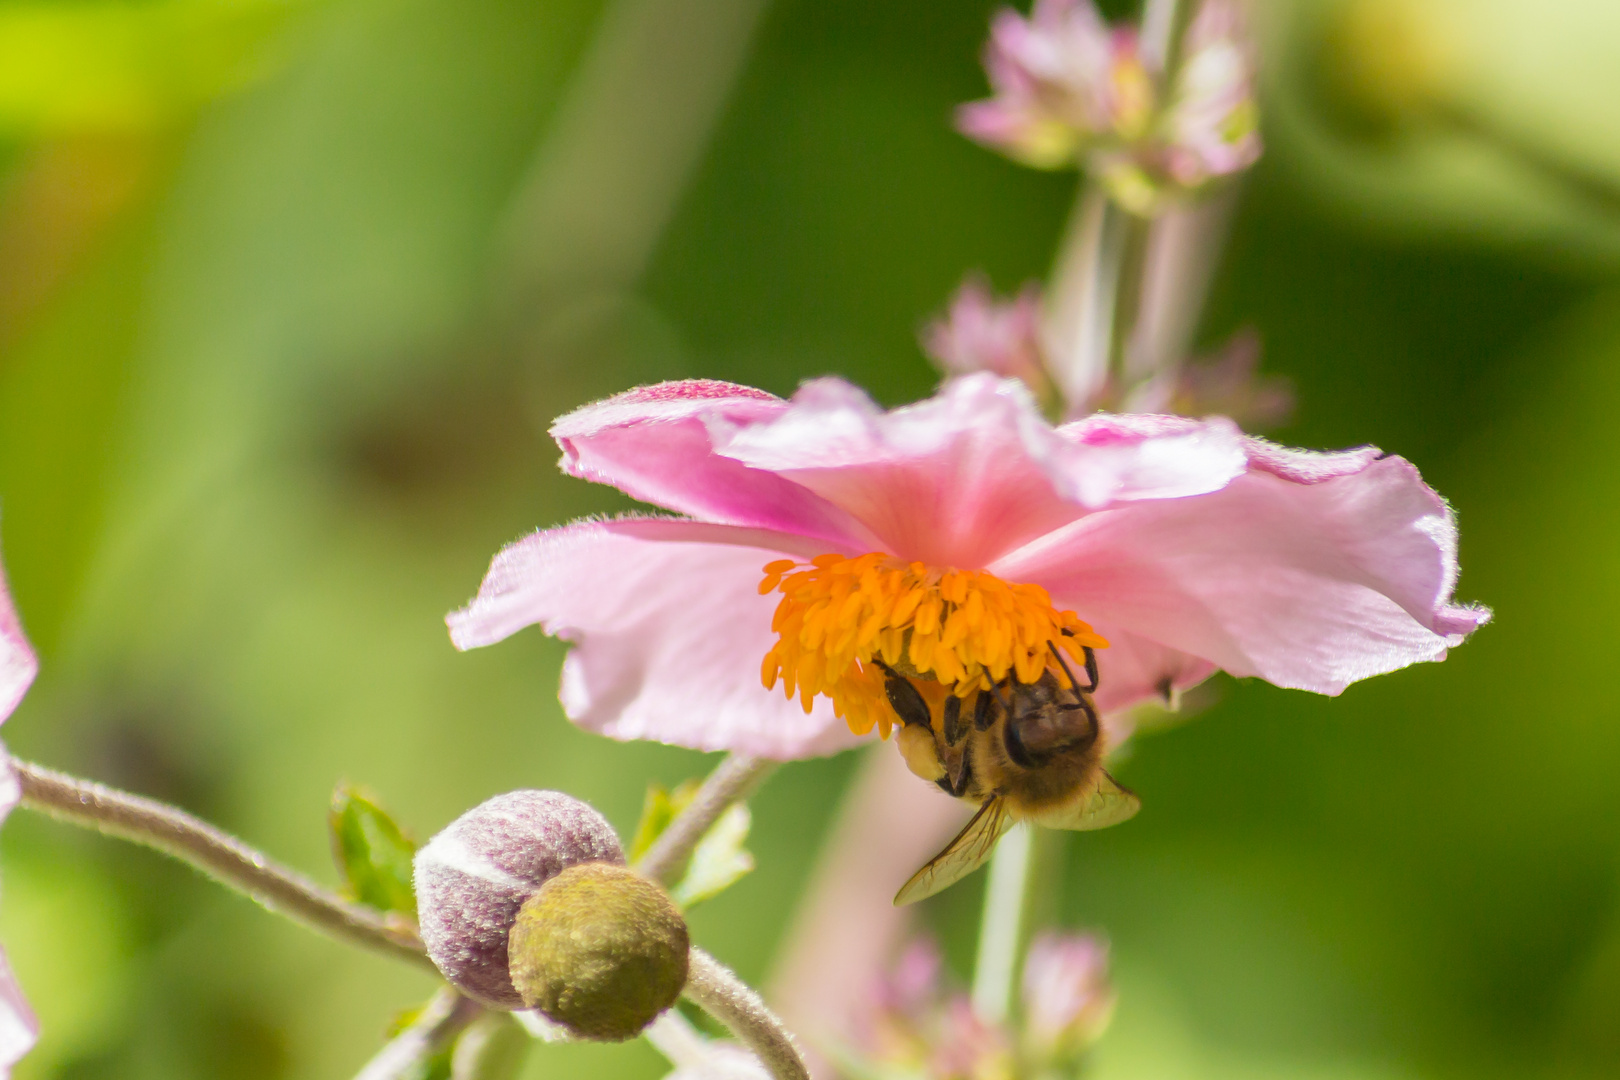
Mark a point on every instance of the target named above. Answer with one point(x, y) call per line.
point(599, 950)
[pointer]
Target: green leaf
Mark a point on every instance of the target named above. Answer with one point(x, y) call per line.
point(657, 811)
point(372, 851)
point(719, 860)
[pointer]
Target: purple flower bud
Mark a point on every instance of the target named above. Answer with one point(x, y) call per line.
point(474, 876)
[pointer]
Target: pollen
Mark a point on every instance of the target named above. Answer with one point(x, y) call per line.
point(840, 620)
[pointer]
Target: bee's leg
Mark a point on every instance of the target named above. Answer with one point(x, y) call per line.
point(907, 702)
point(954, 731)
point(1091, 668)
point(964, 773)
point(981, 711)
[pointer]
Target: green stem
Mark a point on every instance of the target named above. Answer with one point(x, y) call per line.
point(1004, 924)
point(733, 779)
point(218, 854)
point(438, 1025)
point(728, 999)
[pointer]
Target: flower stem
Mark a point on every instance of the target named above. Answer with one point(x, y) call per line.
point(682, 1045)
point(1078, 323)
point(1002, 926)
point(233, 863)
point(1159, 18)
point(493, 1047)
point(715, 988)
point(444, 1018)
point(216, 853)
point(733, 779)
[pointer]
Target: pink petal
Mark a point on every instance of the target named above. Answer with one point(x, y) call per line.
point(1133, 669)
point(1312, 585)
point(955, 480)
point(1130, 457)
point(654, 444)
point(975, 471)
point(18, 1028)
point(18, 665)
point(668, 630)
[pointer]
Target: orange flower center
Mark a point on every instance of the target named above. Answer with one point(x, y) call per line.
point(961, 630)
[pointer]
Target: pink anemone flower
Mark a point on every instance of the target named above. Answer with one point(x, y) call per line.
point(18, 1028)
point(824, 543)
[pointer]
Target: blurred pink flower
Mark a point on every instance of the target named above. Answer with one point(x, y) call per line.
point(1212, 125)
point(915, 981)
point(967, 1047)
point(1186, 544)
point(1068, 1000)
point(1062, 79)
point(913, 1027)
point(1068, 90)
point(981, 333)
point(1227, 382)
point(18, 665)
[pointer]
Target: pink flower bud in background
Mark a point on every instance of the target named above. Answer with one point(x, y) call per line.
point(1068, 1000)
point(1211, 128)
point(1228, 383)
point(969, 1047)
point(981, 333)
point(474, 877)
point(1061, 79)
point(1070, 90)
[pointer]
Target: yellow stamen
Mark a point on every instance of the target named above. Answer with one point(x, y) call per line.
point(959, 631)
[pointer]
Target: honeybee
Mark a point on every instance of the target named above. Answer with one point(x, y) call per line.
point(1021, 751)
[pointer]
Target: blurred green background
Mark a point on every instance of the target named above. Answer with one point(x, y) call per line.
point(289, 292)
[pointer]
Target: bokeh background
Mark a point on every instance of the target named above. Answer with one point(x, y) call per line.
point(289, 290)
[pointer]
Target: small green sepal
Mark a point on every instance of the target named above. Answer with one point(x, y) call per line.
point(372, 852)
point(719, 861)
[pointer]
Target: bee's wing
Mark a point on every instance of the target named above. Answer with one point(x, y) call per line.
point(961, 856)
point(1108, 804)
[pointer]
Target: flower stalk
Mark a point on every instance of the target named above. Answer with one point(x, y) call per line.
point(717, 990)
point(733, 780)
point(1002, 925)
point(217, 854)
point(444, 1018)
point(236, 865)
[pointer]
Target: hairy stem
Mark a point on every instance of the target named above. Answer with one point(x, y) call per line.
point(216, 853)
point(682, 1045)
point(733, 779)
point(715, 988)
point(434, 1029)
point(493, 1047)
point(233, 863)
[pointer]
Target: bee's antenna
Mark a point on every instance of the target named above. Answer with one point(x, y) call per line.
point(1091, 668)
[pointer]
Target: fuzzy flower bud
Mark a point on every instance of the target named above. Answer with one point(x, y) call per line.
point(474, 877)
point(601, 951)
